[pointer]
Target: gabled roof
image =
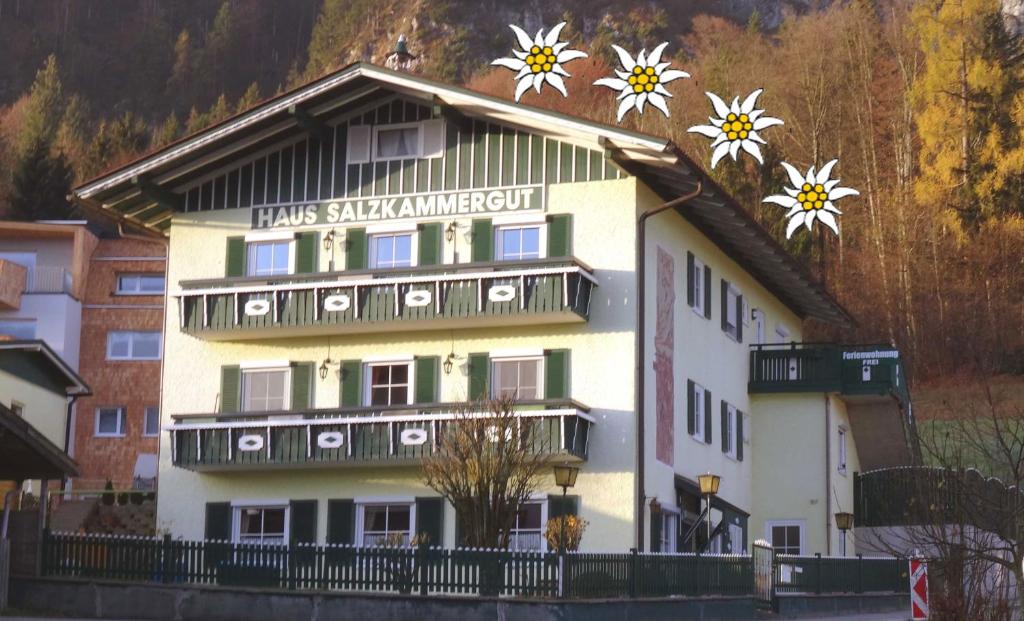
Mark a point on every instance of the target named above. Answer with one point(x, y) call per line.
point(40, 358)
point(145, 192)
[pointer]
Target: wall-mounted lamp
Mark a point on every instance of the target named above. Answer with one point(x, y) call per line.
point(449, 231)
point(328, 362)
point(329, 240)
point(448, 363)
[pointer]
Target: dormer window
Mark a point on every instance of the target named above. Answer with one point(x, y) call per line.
point(396, 142)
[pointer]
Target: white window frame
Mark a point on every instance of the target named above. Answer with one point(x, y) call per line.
point(250, 369)
point(122, 422)
point(131, 345)
point(250, 253)
point(517, 358)
point(699, 287)
point(534, 500)
point(731, 417)
point(145, 421)
point(138, 276)
point(362, 503)
point(414, 245)
point(669, 530)
point(376, 157)
point(542, 238)
point(736, 534)
point(236, 516)
point(732, 300)
point(747, 426)
point(698, 413)
point(801, 524)
point(758, 317)
point(368, 379)
point(841, 452)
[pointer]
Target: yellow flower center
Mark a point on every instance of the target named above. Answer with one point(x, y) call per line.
point(731, 135)
point(744, 118)
point(819, 188)
point(547, 51)
point(801, 197)
point(806, 188)
point(649, 71)
point(638, 88)
point(547, 66)
point(654, 79)
point(648, 87)
point(731, 117)
point(529, 59)
point(743, 134)
point(632, 79)
point(819, 204)
point(535, 50)
point(808, 206)
point(748, 126)
point(812, 196)
point(536, 68)
point(637, 70)
point(643, 78)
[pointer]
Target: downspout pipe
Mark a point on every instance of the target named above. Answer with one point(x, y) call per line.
point(641, 295)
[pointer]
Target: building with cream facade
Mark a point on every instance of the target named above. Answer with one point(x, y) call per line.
point(353, 261)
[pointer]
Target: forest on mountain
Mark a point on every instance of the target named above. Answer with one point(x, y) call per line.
point(922, 102)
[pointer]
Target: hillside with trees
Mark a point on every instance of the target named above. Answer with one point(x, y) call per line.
point(922, 101)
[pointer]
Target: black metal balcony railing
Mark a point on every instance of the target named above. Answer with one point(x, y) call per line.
point(362, 301)
point(389, 435)
point(814, 367)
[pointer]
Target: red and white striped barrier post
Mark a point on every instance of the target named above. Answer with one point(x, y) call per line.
point(918, 589)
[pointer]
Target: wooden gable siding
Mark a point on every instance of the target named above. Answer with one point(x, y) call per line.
point(311, 170)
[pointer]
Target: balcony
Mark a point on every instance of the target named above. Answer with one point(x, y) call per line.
point(860, 371)
point(392, 435)
point(12, 284)
point(418, 298)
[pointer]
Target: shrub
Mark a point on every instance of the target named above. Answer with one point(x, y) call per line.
point(108, 493)
point(574, 527)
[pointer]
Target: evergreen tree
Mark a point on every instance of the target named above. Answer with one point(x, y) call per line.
point(249, 98)
point(327, 44)
point(167, 132)
point(220, 42)
point(40, 184)
point(45, 105)
point(179, 85)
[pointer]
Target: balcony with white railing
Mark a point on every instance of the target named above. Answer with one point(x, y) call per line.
point(416, 298)
point(48, 279)
point(368, 436)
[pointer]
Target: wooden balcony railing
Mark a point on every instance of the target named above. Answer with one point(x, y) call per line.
point(365, 436)
point(432, 297)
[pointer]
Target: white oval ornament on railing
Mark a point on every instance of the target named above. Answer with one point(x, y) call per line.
point(330, 439)
point(250, 442)
point(336, 302)
point(493, 435)
point(413, 437)
point(255, 308)
point(420, 297)
point(501, 293)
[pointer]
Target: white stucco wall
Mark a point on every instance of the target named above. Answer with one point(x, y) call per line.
point(58, 319)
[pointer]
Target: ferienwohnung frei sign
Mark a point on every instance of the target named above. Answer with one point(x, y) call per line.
point(401, 207)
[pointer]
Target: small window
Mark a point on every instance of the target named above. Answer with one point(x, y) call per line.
point(388, 384)
point(758, 317)
point(264, 525)
point(729, 441)
point(731, 311)
point(391, 250)
point(152, 422)
point(785, 537)
point(528, 528)
point(265, 390)
point(841, 453)
point(699, 287)
point(386, 523)
point(736, 540)
point(698, 413)
point(669, 531)
point(516, 378)
point(18, 329)
point(396, 142)
point(269, 258)
point(140, 284)
point(18, 408)
point(133, 346)
point(516, 243)
point(110, 422)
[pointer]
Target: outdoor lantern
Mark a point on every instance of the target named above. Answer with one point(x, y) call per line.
point(844, 521)
point(329, 240)
point(565, 476)
point(323, 370)
point(448, 362)
point(449, 231)
point(708, 483)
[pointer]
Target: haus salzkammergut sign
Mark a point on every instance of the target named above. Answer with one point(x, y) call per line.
point(529, 199)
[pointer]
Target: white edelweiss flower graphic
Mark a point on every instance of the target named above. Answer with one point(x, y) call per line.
point(736, 128)
point(540, 60)
point(811, 197)
point(641, 81)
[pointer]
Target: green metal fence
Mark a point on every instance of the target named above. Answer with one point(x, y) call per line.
point(462, 571)
point(830, 574)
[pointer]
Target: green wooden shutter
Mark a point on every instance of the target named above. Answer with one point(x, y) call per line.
point(351, 382)
point(707, 292)
point(739, 318)
point(302, 521)
point(725, 305)
point(341, 521)
point(559, 505)
point(556, 374)
point(707, 416)
point(691, 413)
point(560, 235)
point(430, 244)
point(690, 275)
point(355, 249)
point(479, 374)
point(739, 435)
point(430, 519)
point(426, 379)
point(306, 246)
point(218, 521)
point(483, 240)
point(302, 385)
point(230, 389)
point(725, 427)
point(234, 264)
point(656, 525)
